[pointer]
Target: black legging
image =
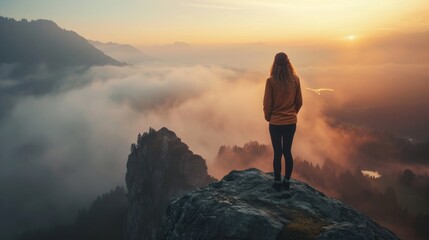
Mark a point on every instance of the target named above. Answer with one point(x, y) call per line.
point(285, 133)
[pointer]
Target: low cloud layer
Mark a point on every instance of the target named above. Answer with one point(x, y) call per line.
point(63, 146)
point(60, 149)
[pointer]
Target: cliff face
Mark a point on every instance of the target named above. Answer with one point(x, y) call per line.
point(159, 167)
point(243, 205)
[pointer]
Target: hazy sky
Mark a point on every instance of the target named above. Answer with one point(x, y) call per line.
point(146, 22)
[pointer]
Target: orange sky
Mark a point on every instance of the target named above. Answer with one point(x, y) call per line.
point(153, 22)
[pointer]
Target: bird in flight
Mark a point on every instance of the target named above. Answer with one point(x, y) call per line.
point(319, 91)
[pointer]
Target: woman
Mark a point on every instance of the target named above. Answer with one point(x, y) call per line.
point(282, 102)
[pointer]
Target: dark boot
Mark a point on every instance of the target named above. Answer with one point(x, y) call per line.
point(277, 185)
point(286, 184)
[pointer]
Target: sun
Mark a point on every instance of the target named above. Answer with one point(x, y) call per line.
point(351, 37)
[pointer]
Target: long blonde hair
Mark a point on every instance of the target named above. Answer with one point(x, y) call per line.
point(282, 70)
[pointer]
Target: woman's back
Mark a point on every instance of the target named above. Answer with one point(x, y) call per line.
point(281, 100)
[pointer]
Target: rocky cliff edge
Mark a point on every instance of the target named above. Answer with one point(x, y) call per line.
point(243, 205)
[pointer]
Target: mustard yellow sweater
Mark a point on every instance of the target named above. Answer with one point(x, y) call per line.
point(282, 101)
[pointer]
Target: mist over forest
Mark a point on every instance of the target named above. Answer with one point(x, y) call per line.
point(396, 199)
point(65, 133)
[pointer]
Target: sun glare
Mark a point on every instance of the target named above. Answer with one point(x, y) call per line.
point(351, 37)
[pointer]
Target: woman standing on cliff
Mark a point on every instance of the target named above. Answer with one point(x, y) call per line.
point(282, 102)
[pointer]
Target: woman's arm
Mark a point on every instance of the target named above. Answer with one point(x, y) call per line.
point(298, 98)
point(268, 100)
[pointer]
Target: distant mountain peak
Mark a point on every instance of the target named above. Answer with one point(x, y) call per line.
point(44, 42)
point(45, 22)
point(123, 52)
point(180, 44)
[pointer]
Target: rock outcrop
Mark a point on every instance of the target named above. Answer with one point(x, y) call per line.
point(159, 167)
point(243, 205)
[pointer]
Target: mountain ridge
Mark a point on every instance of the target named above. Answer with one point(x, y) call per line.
point(44, 42)
point(123, 52)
